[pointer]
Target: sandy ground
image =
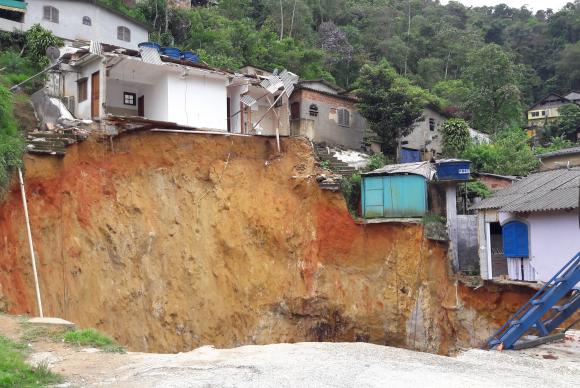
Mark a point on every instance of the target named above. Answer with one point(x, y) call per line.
point(307, 365)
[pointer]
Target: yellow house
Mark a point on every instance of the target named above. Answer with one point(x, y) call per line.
point(546, 109)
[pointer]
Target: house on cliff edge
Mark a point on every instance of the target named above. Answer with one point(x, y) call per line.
point(529, 230)
point(164, 88)
point(325, 113)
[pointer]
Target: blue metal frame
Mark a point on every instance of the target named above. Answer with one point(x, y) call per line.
point(530, 315)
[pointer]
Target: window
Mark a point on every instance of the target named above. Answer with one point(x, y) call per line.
point(123, 33)
point(432, 125)
point(295, 111)
point(543, 113)
point(87, 21)
point(278, 102)
point(313, 110)
point(129, 98)
point(536, 114)
point(343, 117)
point(82, 87)
point(50, 14)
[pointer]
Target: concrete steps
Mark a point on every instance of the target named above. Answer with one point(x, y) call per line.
point(334, 164)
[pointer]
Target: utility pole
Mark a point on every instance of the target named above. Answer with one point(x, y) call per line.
point(408, 36)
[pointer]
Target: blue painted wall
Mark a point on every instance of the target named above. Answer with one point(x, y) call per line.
point(394, 196)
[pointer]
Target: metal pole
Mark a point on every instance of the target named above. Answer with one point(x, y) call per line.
point(30, 245)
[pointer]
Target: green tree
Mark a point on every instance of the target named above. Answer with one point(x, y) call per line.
point(508, 154)
point(456, 137)
point(568, 66)
point(390, 103)
point(568, 124)
point(11, 145)
point(37, 41)
point(453, 93)
point(494, 101)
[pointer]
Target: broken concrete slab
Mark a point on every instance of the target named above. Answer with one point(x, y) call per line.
point(52, 322)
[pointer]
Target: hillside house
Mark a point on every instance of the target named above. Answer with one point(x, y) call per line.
point(567, 157)
point(253, 109)
point(546, 109)
point(107, 80)
point(529, 230)
point(82, 20)
point(424, 141)
point(325, 113)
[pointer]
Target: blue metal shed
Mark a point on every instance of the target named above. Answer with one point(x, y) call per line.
point(396, 191)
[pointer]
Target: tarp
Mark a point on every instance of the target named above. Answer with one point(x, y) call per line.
point(425, 169)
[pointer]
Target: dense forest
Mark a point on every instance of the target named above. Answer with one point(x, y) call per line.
point(429, 43)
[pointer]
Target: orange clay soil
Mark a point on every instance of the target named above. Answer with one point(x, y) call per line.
point(172, 241)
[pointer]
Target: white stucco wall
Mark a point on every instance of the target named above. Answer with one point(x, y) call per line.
point(198, 101)
point(83, 109)
point(156, 107)
point(554, 240)
point(422, 137)
point(70, 26)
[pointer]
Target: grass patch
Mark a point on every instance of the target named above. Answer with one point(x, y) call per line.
point(15, 372)
point(94, 338)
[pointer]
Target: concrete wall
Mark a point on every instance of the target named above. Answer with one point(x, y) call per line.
point(554, 240)
point(553, 162)
point(422, 137)
point(467, 246)
point(324, 127)
point(197, 100)
point(70, 26)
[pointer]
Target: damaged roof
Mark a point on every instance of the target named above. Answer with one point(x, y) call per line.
point(542, 191)
point(425, 169)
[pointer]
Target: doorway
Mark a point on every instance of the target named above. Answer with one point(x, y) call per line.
point(141, 106)
point(95, 94)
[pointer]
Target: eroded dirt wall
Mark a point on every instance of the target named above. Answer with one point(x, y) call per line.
point(172, 241)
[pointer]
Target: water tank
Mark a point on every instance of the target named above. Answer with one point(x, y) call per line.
point(172, 52)
point(190, 56)
point(149, 45)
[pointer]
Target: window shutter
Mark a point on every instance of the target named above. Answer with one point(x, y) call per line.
point(46, 10)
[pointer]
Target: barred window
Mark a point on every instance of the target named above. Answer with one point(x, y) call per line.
point(87, 21)
point(123, 33)
point(343, 117)
point(50, 14)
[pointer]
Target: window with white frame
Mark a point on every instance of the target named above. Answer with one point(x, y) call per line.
point(87, 21)
point(536, 114)
point(343, 117)
point(543, 113)
point(123, 33)
point(50, 13)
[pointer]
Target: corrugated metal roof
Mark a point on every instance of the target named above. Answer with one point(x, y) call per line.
point(425, 169)
point(565, 151)
point(542, 191)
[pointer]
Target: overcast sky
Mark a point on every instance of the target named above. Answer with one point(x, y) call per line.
point(532, 4)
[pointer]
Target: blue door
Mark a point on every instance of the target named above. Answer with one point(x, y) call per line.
point(410, 156)
point(515, 239)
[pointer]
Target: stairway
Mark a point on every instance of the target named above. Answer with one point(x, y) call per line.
point(541, 312)
point(335, 165)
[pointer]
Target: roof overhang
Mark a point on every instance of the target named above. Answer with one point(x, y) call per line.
point(13, 5)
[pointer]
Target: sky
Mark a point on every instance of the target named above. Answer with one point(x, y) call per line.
point(532, 4)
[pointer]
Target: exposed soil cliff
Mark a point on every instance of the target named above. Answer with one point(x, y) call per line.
point(173, 241)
